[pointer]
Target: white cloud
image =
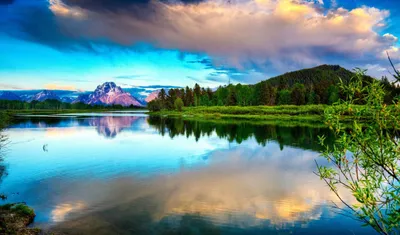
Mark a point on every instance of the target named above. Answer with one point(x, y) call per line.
point(393, 51)
point(278, 32)
point(390, 37)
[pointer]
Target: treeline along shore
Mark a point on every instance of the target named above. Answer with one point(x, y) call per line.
point(313, 87)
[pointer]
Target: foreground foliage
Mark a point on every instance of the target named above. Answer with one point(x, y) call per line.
point(365, 160)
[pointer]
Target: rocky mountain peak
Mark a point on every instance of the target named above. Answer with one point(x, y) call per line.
point(109, 94)
point(108, 87)
point(45, 95)
point(152, 96)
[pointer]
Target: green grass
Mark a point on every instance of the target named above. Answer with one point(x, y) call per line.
point(260, 110)
point(14, 219)
point(19, 208)
point(285, 112)
point(310, 121)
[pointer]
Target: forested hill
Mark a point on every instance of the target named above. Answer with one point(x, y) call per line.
point(320, 75)
point(319, 85)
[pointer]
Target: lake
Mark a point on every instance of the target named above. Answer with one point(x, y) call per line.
point(128, 173)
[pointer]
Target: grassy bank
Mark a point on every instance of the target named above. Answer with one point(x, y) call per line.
point(285, 112)
point(14, 219)
point(274, 121)
point(313, 113)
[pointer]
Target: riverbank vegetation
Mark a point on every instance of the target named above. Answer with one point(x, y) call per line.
point(309, 113)
point(285, 112)
point(14, 219)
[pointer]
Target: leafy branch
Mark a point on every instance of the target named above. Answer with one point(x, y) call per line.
point(365, 159)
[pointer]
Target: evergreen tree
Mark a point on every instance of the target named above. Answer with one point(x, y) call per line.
point(272, 92)
point(333, 92)
point(284, 97)
point(178, 104)
point(298, 94)
point(189, 99)
point(196, 94)
point(231, 99)
point(162, 97)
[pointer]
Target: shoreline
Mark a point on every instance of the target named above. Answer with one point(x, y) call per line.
point(312, 113)
point(283, 114)
point(15, 218)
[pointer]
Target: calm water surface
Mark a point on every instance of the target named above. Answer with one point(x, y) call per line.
point(127, 173)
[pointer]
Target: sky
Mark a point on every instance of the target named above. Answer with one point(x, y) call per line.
point(79, 44)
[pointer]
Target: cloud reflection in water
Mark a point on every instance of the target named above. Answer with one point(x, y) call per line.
point(235, 176)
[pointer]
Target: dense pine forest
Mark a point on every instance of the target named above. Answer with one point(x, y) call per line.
point(319, 85)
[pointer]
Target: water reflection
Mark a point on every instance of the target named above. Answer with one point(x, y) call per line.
point(3, 170)
point(303, 136)
point(154, 175)
point(111, 126)
point(107, 126)
point(243, 188)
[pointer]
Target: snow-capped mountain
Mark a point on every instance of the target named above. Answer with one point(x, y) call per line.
point(45, 95)
point(8, 95)
point(108, 94)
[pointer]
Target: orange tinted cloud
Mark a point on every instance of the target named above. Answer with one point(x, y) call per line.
point(52, 86)
point(259, 31)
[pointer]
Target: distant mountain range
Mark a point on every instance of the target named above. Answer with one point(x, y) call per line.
point(106, 94)
point(45, 95)
point(29, 95)
point(109, 93)
point(8, 95)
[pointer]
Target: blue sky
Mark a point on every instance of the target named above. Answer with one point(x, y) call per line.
point(76, 44)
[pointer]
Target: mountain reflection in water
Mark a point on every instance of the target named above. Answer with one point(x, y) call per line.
point(304, 137)
point(152, 175)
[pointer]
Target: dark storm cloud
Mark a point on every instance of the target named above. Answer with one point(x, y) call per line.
point(121, 5)
point(38, 24)
point(6, 2)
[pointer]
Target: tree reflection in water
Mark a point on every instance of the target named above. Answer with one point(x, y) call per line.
point(302, 136)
